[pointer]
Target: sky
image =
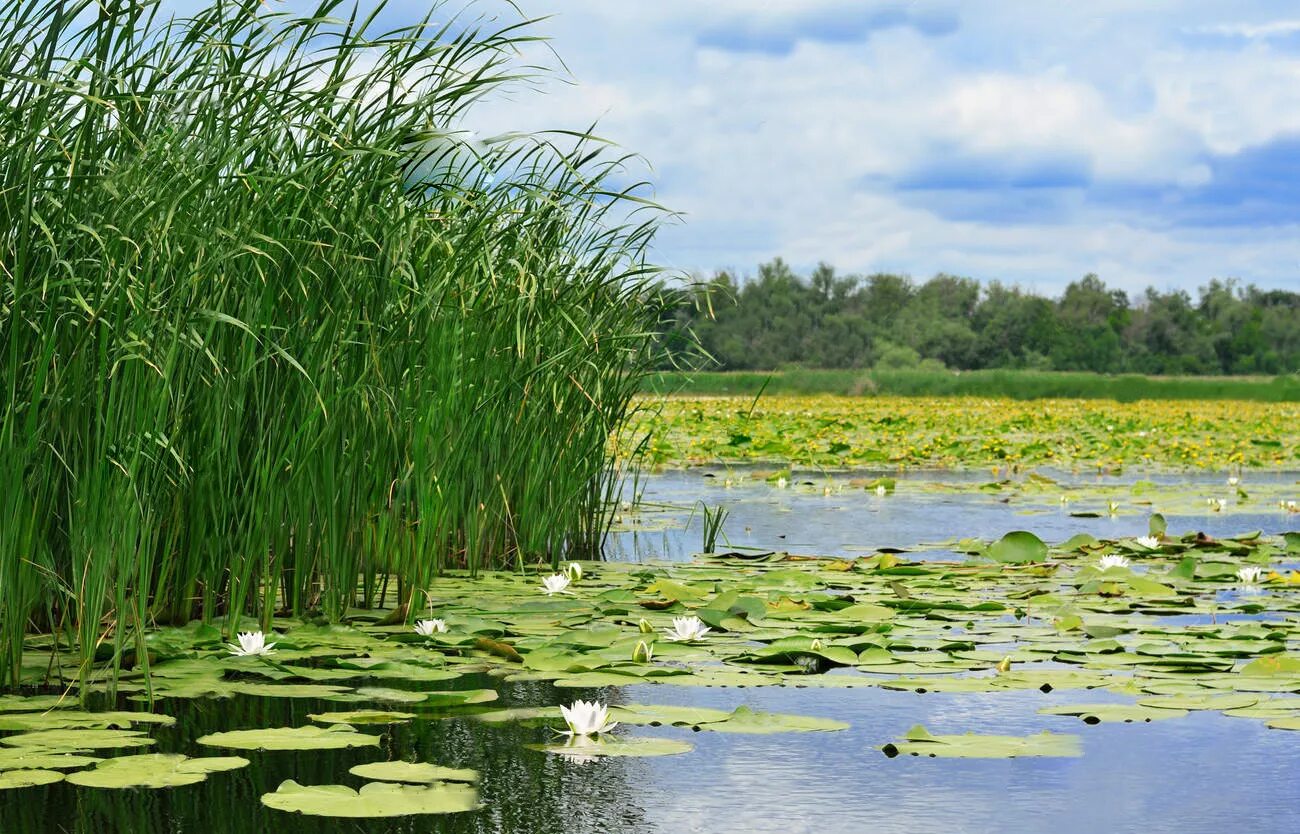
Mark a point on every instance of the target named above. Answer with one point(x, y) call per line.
point(1153, 142)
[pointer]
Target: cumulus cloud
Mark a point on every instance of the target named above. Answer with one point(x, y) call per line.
point(1025, 142)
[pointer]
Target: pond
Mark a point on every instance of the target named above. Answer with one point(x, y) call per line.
point(1207, 770)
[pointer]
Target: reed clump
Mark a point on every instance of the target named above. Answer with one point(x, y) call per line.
point(273, 335)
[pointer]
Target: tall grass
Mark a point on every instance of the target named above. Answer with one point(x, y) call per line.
point(273, 335)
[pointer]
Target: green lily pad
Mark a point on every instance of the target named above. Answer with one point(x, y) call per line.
point(418, 772)
point(1290, 723)
point(374, 800)
point(21, 758)
point(920, 742)
point(11, 779)
point(73, 719)
point(1018, 547)
point(154, 770)
point(361, 716)
point(745, 720)
point(1113, 713)
point(71, 741)
point(333, 737)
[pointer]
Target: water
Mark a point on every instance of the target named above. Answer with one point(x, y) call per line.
point(925, 511)
point(1202, 773)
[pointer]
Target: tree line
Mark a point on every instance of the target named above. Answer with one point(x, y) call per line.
point(827, 320)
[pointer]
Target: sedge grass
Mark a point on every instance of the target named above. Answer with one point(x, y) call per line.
point(273, 337)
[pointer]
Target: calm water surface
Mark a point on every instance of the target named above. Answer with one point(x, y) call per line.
point(1203, 773)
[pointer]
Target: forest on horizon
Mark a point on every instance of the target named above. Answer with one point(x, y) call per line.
point(779, 318)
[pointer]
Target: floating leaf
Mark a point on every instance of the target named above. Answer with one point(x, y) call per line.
point(11, 779)
point(71, 741)
point(334, 737)
point(583, 748)
point(418, 772)
point(920, 742)
point(1113, 713)
point(375, 799)
point(1018, 547)
point(361, 716)
point(154, 770)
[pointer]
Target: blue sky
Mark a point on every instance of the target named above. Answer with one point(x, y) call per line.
point(1153, 142)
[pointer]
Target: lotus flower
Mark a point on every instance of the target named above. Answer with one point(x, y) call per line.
point(251, 643)
point(1250, 575)
point(587, 718)
point(686, 629)
point(428, 628)
point(573, 570)
point(556, 583)
point(1149, 542)
point(1112, 560)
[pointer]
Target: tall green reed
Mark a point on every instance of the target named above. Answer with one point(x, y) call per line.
point(274, 335)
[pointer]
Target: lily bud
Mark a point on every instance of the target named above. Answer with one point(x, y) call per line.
point(574, 571)
point(816, 645)
point(644, 626)
point(1004, 665)
point(642, 653)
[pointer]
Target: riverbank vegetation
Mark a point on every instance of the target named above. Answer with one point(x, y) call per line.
point(274, 337)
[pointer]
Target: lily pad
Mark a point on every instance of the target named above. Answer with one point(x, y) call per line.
point(1113, 713)
point(920, 742)
point(11, 779)
point(361, 716)
point(71, 741)
point(375, 799)
point(745, 720)
point(333, 737)
point(418, 772)
point(154, 770)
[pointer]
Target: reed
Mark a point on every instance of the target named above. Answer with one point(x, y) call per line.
point(274, 336)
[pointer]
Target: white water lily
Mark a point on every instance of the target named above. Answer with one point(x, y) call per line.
point(1149, 542)
point(1112, 560)
point(1233, 480)
point(556, 583)
point(587, 718)
point(428, 628)
point(782, 483)
point(251, 643)
point(686, 629)
point(1250, 575)
point(880, 490)
point(573, 570)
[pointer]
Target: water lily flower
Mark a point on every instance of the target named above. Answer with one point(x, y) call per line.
point(556, 583)
point(1233, 480)
point(428, 628)
point(880, 490)
point(1112, 560)
point(587, 718)
point(686, 629)
point(644, 626)
point(251, 643)
point(1217, 504)
point(1290, 506)
point(1250, 575)
point(643, 652)
point(573, 570)
point(1112, 507)
point(1149, 542)
point(782, 483)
